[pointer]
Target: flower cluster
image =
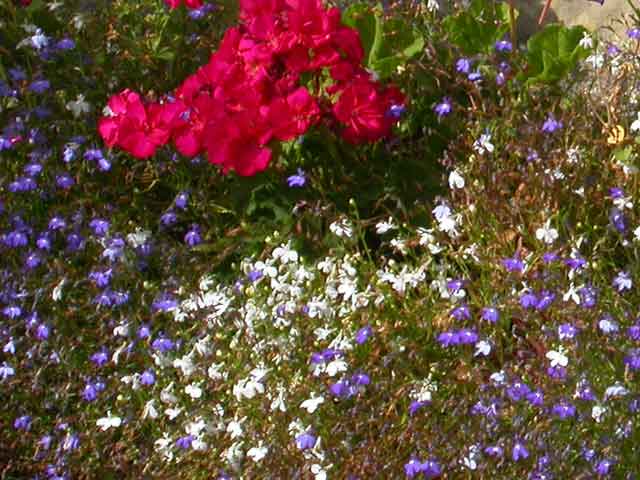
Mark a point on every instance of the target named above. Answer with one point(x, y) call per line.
point(288, 66)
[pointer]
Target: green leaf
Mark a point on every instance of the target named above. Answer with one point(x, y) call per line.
point(553, 52)
point(165, 53)
point(478, 28)
point(368, 23)
point(623, 155)
point(387, 44)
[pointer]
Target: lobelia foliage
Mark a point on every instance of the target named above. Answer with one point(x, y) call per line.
point(454, 300)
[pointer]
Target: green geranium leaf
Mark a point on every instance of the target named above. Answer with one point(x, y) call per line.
point(368, 23)
point(553, 53)
point(478, 28)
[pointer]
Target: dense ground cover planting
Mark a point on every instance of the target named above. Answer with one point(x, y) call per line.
point(360, 241)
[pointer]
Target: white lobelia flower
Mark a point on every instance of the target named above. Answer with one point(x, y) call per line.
point(138, 238)
point(483, 144)
point(185, 364)
point(499, 378)
point(586, 41)
point(456, 181)
point(597, 411)
point(312, 404)
point(247, 388)
point(546, 233)
point(172, 412)
point(470, 461)
point(318, 472)
point(447, 220)
point(278, 403)
point(56, 295)
point(285, 254)
point(193, 390)
point(572, 294)
point(336, 366)
point(149, 410)
point(234, 428)
point(433, 6)
point(105, 423)
point(257, 453)
point(342, 228)
point(615, 391)
point(167, 396)
point(635, 125)
point(78, 106)
point(385, 226)
point(596, 60)
point(482, 348)
point(557, 357)
point(215, 371)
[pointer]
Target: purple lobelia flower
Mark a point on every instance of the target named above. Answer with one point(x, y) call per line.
point(632, 359)
point(634, 33)
point(633, 332)
point(412, 468)
point(90, 392)
point(603, 467)
point(416, 405)
point(503, 46)
point(100, 358)
point(396, 111)
point(12, 311)
point(467, 336)
point(254, 275)
point(461, 312)
point(494, 451)
point(535, 398)
point(567, 331)
point(584, 391)
point(513, 264)
point(182, 200)
point(168, 218)
point(519, 452)
point(447, 339)
point(490, 314)
point(185, 442)
point(528, 300)
point(551, 125)
point(463, 65)
point(144, 331)
point(192, 237)
point(298, 180)
point(363, 334)
point(65, 44)
point(147, 377)
point(622, 282)
point(617, 219)
point(443, 108)
point(22, 423)
point(164, 303)
point(588, 296)
point(39, 86)
point(517, 391)
point(564, 410)
point(305, 441)
point(545, 299)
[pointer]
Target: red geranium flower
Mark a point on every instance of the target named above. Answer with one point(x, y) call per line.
point(137, 128)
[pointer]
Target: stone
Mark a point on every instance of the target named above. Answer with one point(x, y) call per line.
point(587, 13)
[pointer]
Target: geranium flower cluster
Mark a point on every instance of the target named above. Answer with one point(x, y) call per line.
point(286, 67)
point(190, 4)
